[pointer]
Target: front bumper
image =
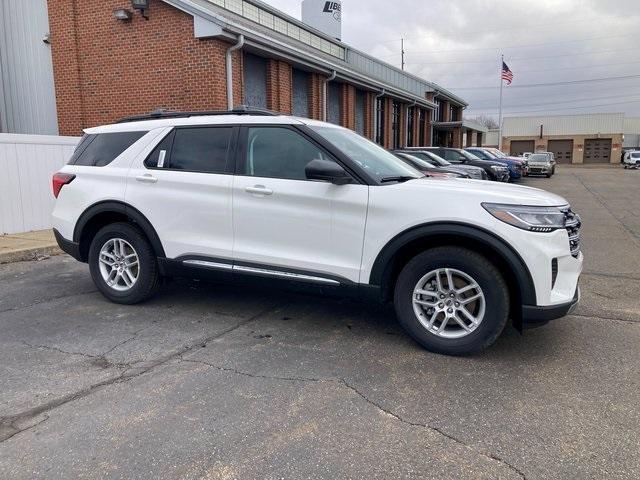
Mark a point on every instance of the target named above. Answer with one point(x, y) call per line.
point(535, 316)
point(67, 246)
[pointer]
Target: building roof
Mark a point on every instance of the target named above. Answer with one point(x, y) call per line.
point(585, 124)
point(268, 29)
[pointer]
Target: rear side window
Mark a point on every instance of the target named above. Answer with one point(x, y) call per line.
point(101, 149)
point(202, 149)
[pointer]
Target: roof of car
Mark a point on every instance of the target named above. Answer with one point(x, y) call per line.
point(173, 119)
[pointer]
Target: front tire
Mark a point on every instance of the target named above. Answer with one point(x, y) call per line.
point(452, 301)
point(123, 264)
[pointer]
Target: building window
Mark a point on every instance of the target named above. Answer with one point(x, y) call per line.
point(439, 111)
point(410, 113)
point(255, 81)
point(453, 113)
point(301, 82)
point(422, 124)
point(395, 124)
point(361, 98)
point(334, 102)
point(380, 102)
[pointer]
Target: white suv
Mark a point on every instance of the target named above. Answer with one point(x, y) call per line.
point(245, 195)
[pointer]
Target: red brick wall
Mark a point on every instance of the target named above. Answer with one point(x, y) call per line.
point(279, 86)
point(369, 114)
point(315, 96)
point(388, 119)
point(348, 106)
point(105, 69)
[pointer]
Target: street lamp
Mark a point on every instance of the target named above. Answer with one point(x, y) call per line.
point(141, 5)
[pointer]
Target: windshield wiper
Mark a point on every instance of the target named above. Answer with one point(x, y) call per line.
point(398, 178)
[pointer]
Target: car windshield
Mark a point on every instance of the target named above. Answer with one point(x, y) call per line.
point(417, 160)
point(431, 158)
point(539, 157)
point(375, 160)
point(498, 153)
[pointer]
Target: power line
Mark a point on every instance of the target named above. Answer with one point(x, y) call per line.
point(569, 82)
point(539, 104)
point(479, 112)
point(531, 45)
point(512, 59)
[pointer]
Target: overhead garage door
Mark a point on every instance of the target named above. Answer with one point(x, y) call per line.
point(562, 150)
point(597, 150)
point(518, 147)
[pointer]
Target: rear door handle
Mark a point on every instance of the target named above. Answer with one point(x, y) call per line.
point(146, 178)
point(259, 190)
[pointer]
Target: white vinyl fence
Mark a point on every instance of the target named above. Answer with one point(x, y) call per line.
point(27, 163)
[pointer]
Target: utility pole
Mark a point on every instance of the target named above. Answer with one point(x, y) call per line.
point(402, 53)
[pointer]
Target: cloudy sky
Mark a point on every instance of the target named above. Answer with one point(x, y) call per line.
point(457, 44)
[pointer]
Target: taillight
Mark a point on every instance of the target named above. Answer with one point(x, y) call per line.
point(60, 180)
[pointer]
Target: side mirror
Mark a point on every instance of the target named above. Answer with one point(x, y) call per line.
point(327, 171)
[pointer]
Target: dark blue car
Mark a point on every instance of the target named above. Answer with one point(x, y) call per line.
point(515, 165)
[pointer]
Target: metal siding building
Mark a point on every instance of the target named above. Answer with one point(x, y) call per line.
point(631, 132)
point(27, 95)
point(589, 138)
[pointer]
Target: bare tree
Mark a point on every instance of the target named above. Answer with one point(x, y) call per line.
point(487, 121)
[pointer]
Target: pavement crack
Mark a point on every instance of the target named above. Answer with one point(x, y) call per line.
point(59, 350)
point(7, 429)
point(45, 300)
point(611, 319)
point(609, 275)
point(632, 235)
point(255, 375)
point(378, 406)
point(435, 429)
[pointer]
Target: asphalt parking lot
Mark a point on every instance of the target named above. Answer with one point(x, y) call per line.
point(207, 381)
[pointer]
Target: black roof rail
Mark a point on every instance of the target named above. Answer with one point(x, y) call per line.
point(161, 113)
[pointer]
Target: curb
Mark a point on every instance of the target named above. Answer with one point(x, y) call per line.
point(29, 254)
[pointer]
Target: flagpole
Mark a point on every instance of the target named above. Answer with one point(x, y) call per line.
point(500, 106)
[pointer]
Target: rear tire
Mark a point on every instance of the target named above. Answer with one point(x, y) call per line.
point(123, 264)
point(415, 310)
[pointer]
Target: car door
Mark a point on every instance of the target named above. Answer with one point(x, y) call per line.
point(284, 222)
point(183, 187)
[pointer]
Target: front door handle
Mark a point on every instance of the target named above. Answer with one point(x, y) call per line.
point(259, 190)
point(146, 178)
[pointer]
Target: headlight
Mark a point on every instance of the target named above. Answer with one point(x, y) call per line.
point(496, 168)
point(534, 219)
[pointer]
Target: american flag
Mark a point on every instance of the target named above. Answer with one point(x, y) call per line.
point(507, 75)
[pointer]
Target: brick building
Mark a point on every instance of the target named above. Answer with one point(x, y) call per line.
point(109, 61)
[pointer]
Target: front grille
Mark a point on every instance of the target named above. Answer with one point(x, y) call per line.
point(572, 223)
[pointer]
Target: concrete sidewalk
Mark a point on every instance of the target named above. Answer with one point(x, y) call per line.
point(27, 246)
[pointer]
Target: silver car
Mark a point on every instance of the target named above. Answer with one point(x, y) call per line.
point(475, 173)
point(542, 164)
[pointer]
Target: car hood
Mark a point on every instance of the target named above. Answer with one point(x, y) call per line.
point(456, 190)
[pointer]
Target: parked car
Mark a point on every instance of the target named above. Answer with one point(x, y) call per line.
point(631, 159)
point(244, 196)
point(516, 166)
point(429, 169)
point(542, 164)
point(470, 171)
point(496, 171)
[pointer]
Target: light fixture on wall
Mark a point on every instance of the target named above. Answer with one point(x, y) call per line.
point(142, 5)
point(122, 14)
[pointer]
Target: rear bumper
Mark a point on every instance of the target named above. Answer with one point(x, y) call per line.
point(67, 246)
point(535, 316)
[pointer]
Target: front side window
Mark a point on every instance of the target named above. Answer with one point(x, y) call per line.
point(277, 152)
point(101, 149)
point(375, 160)
point(202, 149)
